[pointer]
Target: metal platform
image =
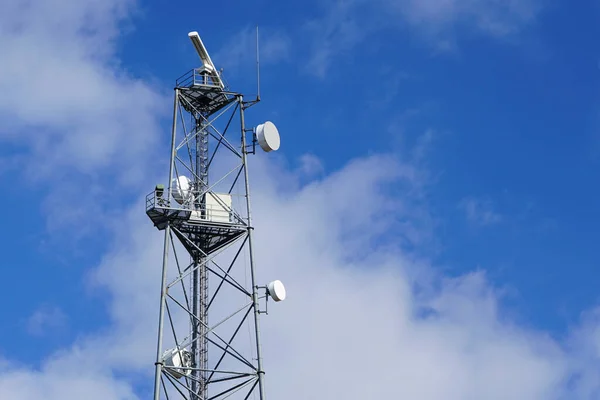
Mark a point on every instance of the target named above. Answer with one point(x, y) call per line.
point(198, 232)
point(201, 94)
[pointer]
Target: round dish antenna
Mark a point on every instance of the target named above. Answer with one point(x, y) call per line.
point(276, 290)
point(181, 189)
point(268, 136)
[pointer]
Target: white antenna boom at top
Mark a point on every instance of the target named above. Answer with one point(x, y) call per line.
point(206, 61)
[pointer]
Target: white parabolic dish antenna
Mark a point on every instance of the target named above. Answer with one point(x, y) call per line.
point(181, 189)
point(276, 290)
point(268, 136)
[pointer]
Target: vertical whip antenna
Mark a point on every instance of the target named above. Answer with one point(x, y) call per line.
point(257, 68)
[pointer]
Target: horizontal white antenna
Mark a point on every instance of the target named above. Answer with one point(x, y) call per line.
point(206, 61)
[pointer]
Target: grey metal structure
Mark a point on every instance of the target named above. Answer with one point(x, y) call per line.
point(207, 239)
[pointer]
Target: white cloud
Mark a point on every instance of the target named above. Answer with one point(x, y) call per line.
point(64, 97)
point(72, 376)
point(54, 381)
point(46, 319)
point(83, 129)
point(352, 309)
point(352, 303)
point(310, 165)
point(348, 24)
point(480, 211)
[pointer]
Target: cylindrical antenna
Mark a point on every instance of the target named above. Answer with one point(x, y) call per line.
point(257, 68)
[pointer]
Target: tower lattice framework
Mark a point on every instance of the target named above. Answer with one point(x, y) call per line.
point(207, 226)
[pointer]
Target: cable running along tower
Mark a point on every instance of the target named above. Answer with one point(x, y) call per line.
point(203, 350)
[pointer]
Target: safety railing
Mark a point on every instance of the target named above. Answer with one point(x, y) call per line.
point(197, 77)
point(157, 200)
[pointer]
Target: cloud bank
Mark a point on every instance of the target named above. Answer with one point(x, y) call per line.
point(67, 103)
point(362, 319)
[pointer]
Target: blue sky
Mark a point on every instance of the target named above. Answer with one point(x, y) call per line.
point(491, 108)
point(513, 120)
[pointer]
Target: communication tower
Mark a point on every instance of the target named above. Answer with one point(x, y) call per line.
point(207, 227)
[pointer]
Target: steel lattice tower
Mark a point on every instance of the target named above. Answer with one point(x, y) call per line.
point(195, 359)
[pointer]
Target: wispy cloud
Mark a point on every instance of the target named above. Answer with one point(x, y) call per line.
point(310, 165)
point(495, 17)
point(46, 319)
point(480, 211)
point(240, 50)
point(347, 24)
point(334, 34)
